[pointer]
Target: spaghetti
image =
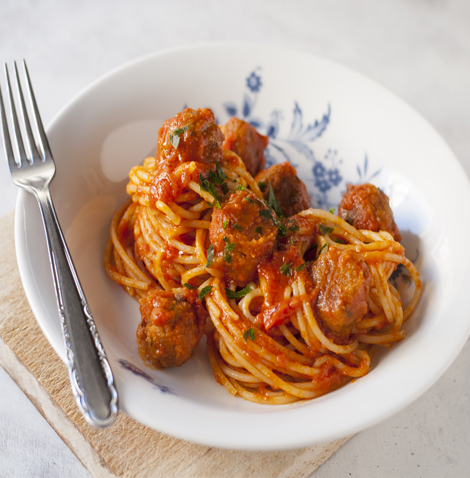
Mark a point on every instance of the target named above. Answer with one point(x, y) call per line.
point(272, 330)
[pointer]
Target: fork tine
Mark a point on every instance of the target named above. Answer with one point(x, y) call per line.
point(35, 152)
point(42, 134)
point(6, 136)
point(16, 133)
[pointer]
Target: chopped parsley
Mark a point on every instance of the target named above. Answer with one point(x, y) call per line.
point(240, 188)
point(262, 186)
point(267, 214)
point(210, 255)
point(298, 269)
point(215, 178)
point(218, 177)
point(209, 187)
point(238, 227)
point(249, 334)
point(332, 210)
point(323, 247)
point(274, 203)
point(338, 240)
point(286, 269)
point(293, 228)
point(228, 249)
point(313, 246)
point(236, 295)
point(292, 240)
point(225, 223)
point(189, 286)
point(326, 230)
point(174, 137)
point(205, 291)
point(259, 230)
point(250, 200)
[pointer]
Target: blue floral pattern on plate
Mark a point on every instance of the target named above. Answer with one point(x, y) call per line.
point(141, 373)
point(326, 176)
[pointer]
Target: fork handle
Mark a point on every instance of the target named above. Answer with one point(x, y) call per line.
point(89, 370)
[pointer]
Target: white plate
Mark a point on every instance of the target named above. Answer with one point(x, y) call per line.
point(335, 126)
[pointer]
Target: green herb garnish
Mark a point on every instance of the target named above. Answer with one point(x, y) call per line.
point(189, 286)
point(224, 188)
point(174, 137)
point(249, 334)
point(240, 188)
point(293, 228)
point(286, 269)
point(313, 246)
point(298, 269)
point(292, 240)
point(259, 230)
point(236, 295)
point(210, 255)
point(210, 188)
point(262, 186)
point(274, 203)
point(205, 291)
point(267, 214)
point(323, 247)
point(250, 200)
point(326, 230)
point(332, 210)
point(228, 249)
point(218, 176)
point(238, 227)
point(225, 223)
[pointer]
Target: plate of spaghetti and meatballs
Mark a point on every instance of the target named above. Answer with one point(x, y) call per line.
point(262, 248)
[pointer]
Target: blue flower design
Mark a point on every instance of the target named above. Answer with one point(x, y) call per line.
point(323, 185)
point(272, 128)
point(334, 176)
point(319, 170)
point(254, 82)
point(326, 180)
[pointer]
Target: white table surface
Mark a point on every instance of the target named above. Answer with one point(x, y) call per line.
point(420, 49)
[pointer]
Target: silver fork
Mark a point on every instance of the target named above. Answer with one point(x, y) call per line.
point(89, 370)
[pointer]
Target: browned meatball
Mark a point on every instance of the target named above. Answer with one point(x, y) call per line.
point(170, 329)
point(367, 207)
point(192, 135)
point(244, 140)
point(302, 232)
point(289, 190)
point(243, 234)
point(342, 279)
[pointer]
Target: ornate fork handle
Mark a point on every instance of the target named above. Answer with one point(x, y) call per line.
point(94, 392)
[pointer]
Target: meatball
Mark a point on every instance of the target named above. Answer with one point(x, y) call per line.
point(170, 329)
point(244, 140)
point(192, 135)
point(302, 232)
point(342, 279)
point(367, 207)
point(290, 191)
point(243, 233)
